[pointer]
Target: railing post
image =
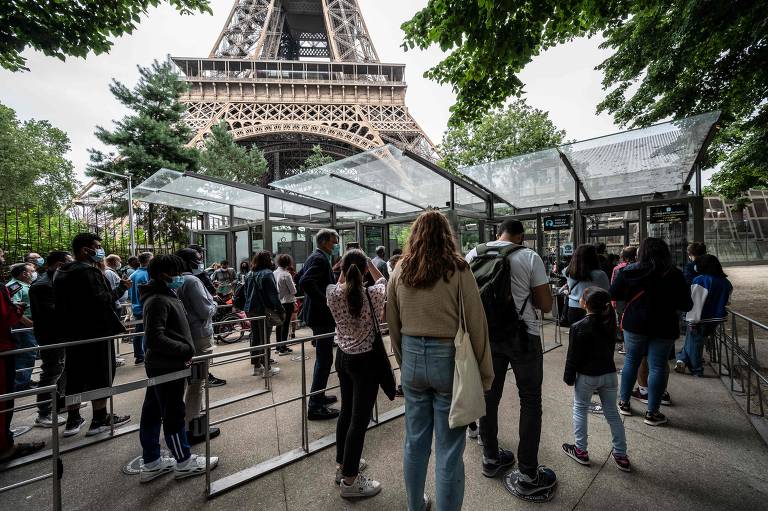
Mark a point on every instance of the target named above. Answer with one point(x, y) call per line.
point(55, 454)
point(111, 361)
point(206, 425)
point(265, 338)
point(304, 420)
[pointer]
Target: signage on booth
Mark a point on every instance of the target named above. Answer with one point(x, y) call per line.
point(557, 223)
point(674, 213)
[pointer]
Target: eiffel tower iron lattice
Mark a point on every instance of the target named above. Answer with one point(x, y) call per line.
point(286, 75)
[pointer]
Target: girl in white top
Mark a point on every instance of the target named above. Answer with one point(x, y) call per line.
point(286, 291)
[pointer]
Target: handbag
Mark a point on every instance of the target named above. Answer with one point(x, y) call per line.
point(382, 365)
point(468, 399)
point(274, 317)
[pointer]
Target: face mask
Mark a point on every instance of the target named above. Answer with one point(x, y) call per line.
point(34, 275)
point(98, 255)
point(336, 249)
point(695, 268)
point(40, 262)
point(176, 282)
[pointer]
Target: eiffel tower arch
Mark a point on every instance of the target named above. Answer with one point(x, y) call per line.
point(286, 75)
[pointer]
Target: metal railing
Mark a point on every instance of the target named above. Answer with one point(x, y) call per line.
point(733, 354)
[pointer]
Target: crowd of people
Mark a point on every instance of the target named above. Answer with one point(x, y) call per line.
point(498, 292)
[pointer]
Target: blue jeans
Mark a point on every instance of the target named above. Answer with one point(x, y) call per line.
point(606, 386)
point(692, 353)
point(657, 350)
point(138, 340)
point(427, 378)
point(25, 362)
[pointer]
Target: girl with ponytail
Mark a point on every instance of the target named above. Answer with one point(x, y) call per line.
point(355, 309)
point(589, 368)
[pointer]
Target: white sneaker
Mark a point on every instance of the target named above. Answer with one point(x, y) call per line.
point(363, 465)
point(363, 486)
point(160, 466)
point(273, 371)
point(46, 421)
point(194, 466)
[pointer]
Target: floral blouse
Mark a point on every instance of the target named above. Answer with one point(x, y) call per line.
point(355, 335)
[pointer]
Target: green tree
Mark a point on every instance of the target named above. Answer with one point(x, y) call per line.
point(151, 137)
point(516, 129)
point(224, 158)
point(33, 166)
point(70, 28)
point(670, 59)
point(316, 159)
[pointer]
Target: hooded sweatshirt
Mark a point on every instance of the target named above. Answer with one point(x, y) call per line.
point(652, 299)
point(169, 344)
point(710, 297)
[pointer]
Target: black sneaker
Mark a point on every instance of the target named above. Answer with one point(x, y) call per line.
point(102, 426)
point(505, 459)
point(284, 351)
point(72, 428)
point(643, 398)
point(322, 414)
point(624, 408)
point(665, 399)
point(399, 391)
point(655, 418)
point(577, 454)
point(545, 479)
point(215, 382)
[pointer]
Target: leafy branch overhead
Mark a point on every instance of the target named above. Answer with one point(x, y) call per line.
point(670, 59)
point(73, 28)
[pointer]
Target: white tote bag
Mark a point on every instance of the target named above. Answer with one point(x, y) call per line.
point(468, 400)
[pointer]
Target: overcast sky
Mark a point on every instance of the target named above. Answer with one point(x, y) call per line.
point(74, 95)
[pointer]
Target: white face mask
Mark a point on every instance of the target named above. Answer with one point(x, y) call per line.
point(34, 276)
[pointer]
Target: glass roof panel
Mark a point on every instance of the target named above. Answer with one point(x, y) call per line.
point(359, 181)
point(653, 159)
point(526, 181)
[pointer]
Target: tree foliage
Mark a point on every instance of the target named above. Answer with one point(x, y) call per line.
point(670, 59)
point(515, 129)
point(316, 159)
point(224, 158)
point(33, 166)
point(151, 137)
point(71, 28)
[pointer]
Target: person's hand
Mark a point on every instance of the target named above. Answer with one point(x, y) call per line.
point(188, 363)
point(128, 283)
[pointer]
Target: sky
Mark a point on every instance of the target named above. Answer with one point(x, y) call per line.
point(74, 95)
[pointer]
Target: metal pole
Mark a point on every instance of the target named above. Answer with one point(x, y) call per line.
point(265, 340)
point(55, 455)
point(304, 421)
point(131, 229)
point(207, 432)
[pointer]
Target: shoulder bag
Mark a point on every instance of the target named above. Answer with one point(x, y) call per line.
point(468, 399)
point(383, 367)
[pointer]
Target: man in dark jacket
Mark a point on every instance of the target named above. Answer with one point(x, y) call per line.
point(316, 276)
point(169, 348)
point(85, 309)
point(43, 302)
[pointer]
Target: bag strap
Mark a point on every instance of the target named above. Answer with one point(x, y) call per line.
point(462, 317)
point(374, 319)
point(626, 307)
point(525, 303)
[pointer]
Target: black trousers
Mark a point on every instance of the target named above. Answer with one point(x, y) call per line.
point(52, 368)
point(323, 364)
point(163, 406)
point(285, 329)
point(7, 385)
point(528, 367)
point(359, 388)
point(259, 337)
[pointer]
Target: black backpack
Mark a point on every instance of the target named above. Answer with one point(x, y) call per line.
point(494, 279)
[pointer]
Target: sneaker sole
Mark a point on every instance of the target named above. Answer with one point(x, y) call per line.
point(644, 401)
point(70, 433)
point(360, 496)
point(363, 466)
point(193, 473)
point(154, 475)
point(623, 469)
point(576, 459)
point(626, 413)
point(102, 429)
point(655, 423)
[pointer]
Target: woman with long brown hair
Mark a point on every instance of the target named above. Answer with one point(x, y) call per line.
point(423, 315)
point(355, 309)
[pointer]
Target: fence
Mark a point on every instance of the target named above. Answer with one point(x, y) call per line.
point(735, 357)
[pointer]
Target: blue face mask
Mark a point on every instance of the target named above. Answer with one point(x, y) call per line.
point(99, 255)
point(176, 282)
point(336, 249)
point(40, 262)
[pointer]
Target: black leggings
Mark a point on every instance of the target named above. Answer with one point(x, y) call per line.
point(285, 328)
point(359, 388)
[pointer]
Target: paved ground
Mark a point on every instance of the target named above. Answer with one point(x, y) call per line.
point(751, 290)
point(708, 457)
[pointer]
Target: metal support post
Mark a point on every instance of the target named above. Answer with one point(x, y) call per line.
point(266, 328)
point(304, 420)
point(55, 456)
point(207, 427)
point(111, 397)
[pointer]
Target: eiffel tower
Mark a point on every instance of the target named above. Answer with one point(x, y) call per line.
point(286, 75)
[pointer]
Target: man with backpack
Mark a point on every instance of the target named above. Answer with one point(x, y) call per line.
point(513, 283)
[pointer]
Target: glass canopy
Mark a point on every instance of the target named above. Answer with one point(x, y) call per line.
point(659, 158)
point(197, 193)
point(364, 181)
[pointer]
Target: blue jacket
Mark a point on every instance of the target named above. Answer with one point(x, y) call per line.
point(139, 277)
point(261, 292)
point(710, 297)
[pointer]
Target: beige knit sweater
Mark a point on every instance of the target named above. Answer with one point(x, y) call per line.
point(434, 312)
